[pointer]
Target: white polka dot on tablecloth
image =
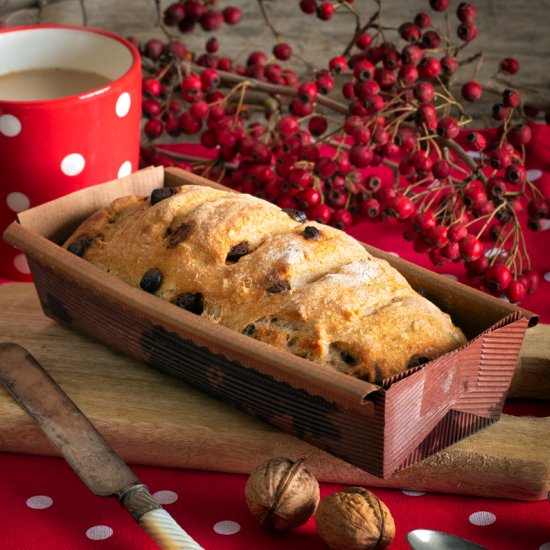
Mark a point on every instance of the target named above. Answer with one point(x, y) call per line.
point(125, 169)
point(123, 104)
point(473, 154)
point(546, 276)
point(450, 276)
point(545, 546)
point(17, 201)
point(413, 493)
point(10, 125)
point(504, 298)
point(39, 502)
point(226, 527)
point(482, 518)
point(166, 497)
point(394, 254)
point(534, 174)
point(545, 224)
point(99, 532)
point(21, 264)
point(73, 164)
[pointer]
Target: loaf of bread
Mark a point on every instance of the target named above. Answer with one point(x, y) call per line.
point(268, 273)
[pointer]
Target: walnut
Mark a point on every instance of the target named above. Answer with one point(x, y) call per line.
point(282, 494)
point(354, 519)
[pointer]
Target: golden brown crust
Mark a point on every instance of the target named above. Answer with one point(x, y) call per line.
point(248, 265)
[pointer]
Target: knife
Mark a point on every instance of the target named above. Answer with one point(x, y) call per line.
point(427, 539)
point(83, 447)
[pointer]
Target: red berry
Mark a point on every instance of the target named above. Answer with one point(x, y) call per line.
point(325, 11)
point(308, 6)
point(496, 187)
point(337, 198)
point(317, 125)
point(441, 169)
point(282, 51)
point(424, 92)
point(520, 135)
point(466, 12)
point(409, 32)
point(500, 112)
point(360, 155)
point(429, 67)
point(437, 237)
point(516, 291)
point(477, 141)
point(470, 248)
point(337, 65)
point(471, 91)
point(363, 41)
point(308, 197)
point(151, 86)
point(325, 84)
point(210, 79)
point(153, 49)
point(151, 108)
point(516, 174)
point(400, 207)
point(498, 277)
point(457, 232)
point(190, 124)
point(466, 32)
point(426, 114)
point(422, 20)
point(232, 15)
point(370, 208)
point(364, 70)
point(341, 219)
point(538, 209)
point(451, 251)
point(408, 74)
point(211, 20)
point(448, 128)
point(509, 65)
point(431, 40)
point(173, 14)
point(499, 158)
point(288, 125)
point(325, 167)
point(449, 65)
point(476, 266)
point(191, 88)
point(439, 5)
point(533, 279)
point(320, 213)
point(153, 128)
point(424, 222)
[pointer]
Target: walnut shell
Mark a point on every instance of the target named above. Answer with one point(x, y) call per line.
point(354, 519)
point(282, 494)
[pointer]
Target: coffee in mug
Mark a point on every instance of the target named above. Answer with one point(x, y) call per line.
point(48, 83)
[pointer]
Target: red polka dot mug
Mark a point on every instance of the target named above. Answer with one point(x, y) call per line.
point(70, 111)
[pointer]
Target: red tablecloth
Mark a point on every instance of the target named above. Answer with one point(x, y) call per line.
point(44, 505)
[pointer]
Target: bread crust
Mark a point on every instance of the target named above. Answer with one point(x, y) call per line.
point(243, 262)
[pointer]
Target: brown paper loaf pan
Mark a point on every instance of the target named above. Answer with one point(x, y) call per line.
point(380, 429)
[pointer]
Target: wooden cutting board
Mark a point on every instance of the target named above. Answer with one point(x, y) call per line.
point(150, 418)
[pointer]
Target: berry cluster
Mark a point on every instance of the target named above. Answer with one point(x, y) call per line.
point(316, 141)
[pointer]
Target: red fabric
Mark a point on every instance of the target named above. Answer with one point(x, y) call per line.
point(78, 520)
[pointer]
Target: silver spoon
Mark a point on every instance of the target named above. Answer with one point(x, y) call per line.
point(426, 539)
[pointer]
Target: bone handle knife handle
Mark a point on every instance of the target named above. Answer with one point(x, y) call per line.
point(160, 525)
point(164, 530)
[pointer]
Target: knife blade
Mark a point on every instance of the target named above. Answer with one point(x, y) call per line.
point(83, 447)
